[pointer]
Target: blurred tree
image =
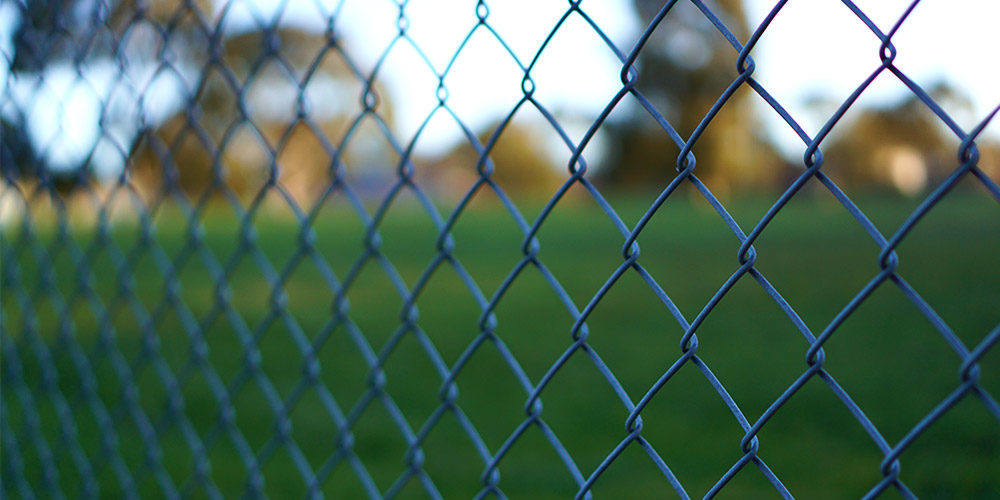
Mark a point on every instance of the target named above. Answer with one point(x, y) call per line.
point(249, 106)
point(74, 38)
point(521, 164)
point(17, 156)
point(229, 115)
point(903, 146)
point(683, 69)
point(37, 41)
point(47, 29)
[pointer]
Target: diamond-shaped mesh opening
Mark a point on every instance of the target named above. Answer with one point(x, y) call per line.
point(911, 49)
point(654, 337)
point(563, 248)
point(308, 297)
point(370, 160)
point(485, 380)
point(949, 445)
point(505, 18)
point(849, 464)
point(532, 467)
point(448, 313)
point(783, 43)
point(449, 456)
point(488, 240)
point(690, 427)
point(411, 375)
point(888, 322)
point(747, 482)
point(577, 385)
point(382, 453)
point(560, 56)
point(681, 59)
point(408, 237)
point(517, 150)
point(968, 222)
point(343, 357)
point(370, 295)
point(690, 268)
point(534, 343)
point(913, 154)
point(465, 75)
point(768, 358)
point(796, 239)
point(619, 477)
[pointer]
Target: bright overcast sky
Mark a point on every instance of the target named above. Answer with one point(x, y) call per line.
point(814, 50)
point(819, 48)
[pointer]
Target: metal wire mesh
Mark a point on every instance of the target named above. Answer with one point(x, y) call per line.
point(67, 397)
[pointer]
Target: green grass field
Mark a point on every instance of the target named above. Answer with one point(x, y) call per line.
point(888, 356)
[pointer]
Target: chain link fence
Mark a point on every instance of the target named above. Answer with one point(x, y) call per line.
point(229, 272)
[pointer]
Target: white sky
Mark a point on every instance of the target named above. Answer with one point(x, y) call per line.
point(814, 48)
point(820, 48)
point(576, 74)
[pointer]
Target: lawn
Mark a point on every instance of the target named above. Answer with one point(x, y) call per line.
point(118, 342)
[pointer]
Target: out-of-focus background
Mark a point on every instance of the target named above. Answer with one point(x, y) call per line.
point(79, 95)
point(200, 199)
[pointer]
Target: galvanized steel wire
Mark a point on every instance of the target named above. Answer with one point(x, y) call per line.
point(29, 344)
